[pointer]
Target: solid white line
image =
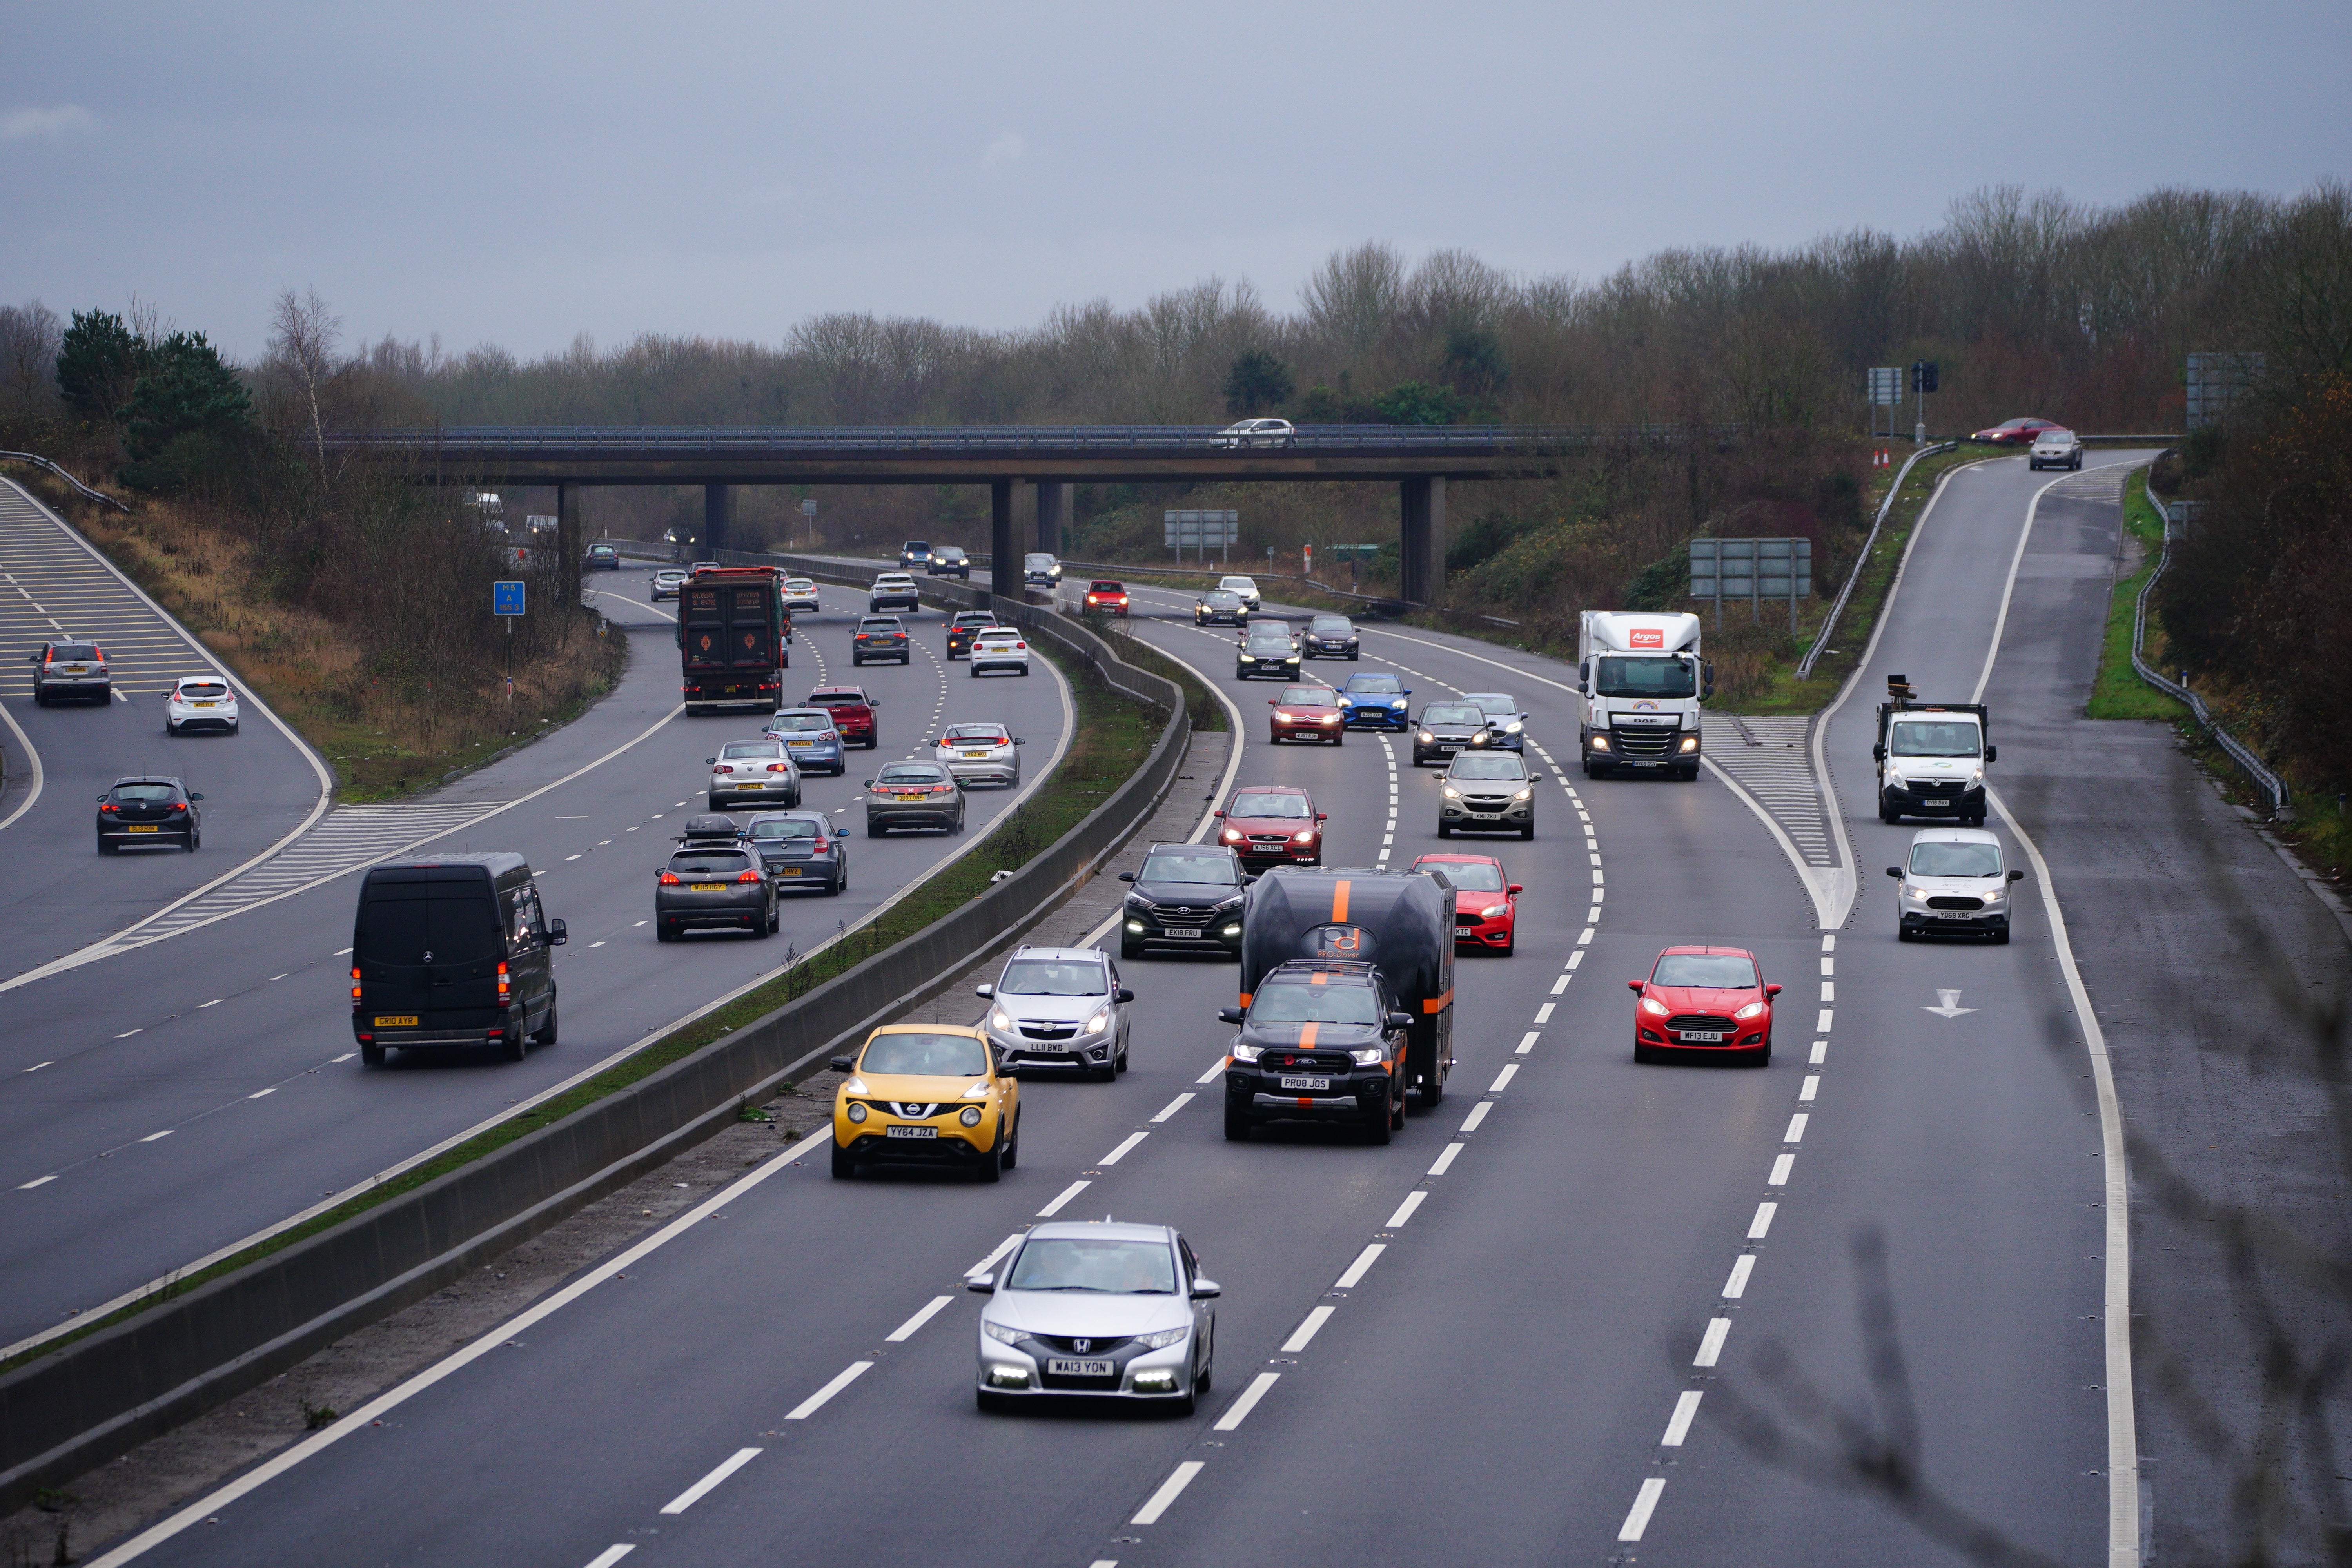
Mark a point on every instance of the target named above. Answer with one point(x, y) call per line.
point(1170, 1490)
point(1993, 652)
point(1710, 1344)
point(32, 756)
point(1741, 1268)
point(1781, 1165)
point(1174, 1105)
point(1762, 1222)
point(1072, 1190)
point(1358, 1268)
point(1796, 1132)
point(1238, 1410)
point(1445, 1158)
point(1413, 1200)
point(1678, 1425)
point(1645, 1503)
point(1477, 1114)
point(905, 1330)
point(1302, 1335)
point(703, 1488)
point(1510, 1070)
point(1214, 1073)
point(815, 1402)
point(1129, 1141)
point(609, 1555)
point(1811, 1087)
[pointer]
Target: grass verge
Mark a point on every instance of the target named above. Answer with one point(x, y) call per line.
point(1112, 738)
point(2119, 692)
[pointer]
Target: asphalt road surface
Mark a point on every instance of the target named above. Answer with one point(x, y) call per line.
point(169, 1099)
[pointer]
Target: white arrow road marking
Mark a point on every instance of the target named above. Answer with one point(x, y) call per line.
point(1951, 1008)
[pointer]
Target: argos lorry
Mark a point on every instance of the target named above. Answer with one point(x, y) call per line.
point(1639, 682)
point(1931, 757)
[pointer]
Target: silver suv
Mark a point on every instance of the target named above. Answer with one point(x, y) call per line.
point(1059, 1007)
point(1952, 882)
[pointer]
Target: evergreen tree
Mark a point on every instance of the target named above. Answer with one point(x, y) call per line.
point(187, 390)
point(98, 362)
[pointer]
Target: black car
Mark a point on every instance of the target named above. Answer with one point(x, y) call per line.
point(453, 952)
point(950, 561)
point(1220, 607)
point(1330, 636)
point(1321, 1041)
point(880, 636)
point(722, 887)
point(1187, 897)
point(1447, 728)
point(603, 558)
point(914, 552)
point(801, 850)
point(149, 809)
point(1268, 652)
point(963, 627)
point(71, 669)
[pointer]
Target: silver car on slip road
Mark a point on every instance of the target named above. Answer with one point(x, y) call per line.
point(1059, 1007)
point(981, 754)
point(1110, 1311)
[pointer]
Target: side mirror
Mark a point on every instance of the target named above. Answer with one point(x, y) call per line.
point(1270, 703)
point(1771, 991)
point(1123, 994)
point(1206, 1290)
point(986, 992)
point(842, 1064)
point(1515, 888)
point(982, 1284)
point(1399, 1020)
point(1019, 741)
point(1229, 1014)
point(196, 797)
point(1220, 811)
point(1879, 753)
point(102, 800)
point(1322, 817)
point(557, 933)
point(1632, 986)
point(1707, 678)
point(1894, 870)
point(1993, 753)
point(867, 783)
point(2017, 876)
point(1127, 876)
point(1250, 877)
point(708, 760)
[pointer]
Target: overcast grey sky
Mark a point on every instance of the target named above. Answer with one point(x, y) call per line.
point(515, 174)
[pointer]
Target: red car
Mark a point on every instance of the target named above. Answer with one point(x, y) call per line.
point(2015, 432)
point(853, 713)
point(1105, 597)
point(1307, 712)
point(1704, 999)
point(1485, 903)
point(1273, 825)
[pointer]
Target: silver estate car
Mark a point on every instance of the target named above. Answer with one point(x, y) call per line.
point(981, 754)
point(1952, 883)
point(913, 794)
point(758, 770)
point(1059, 1007)
point(1486, 792)
point(1110, 1311)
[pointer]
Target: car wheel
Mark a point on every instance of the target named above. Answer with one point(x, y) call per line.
point(991, 1403)
point(1237, 1123)
point(1445, 830)
point(545, 1033)
point(1643, 1053)
point(1433, 1093)
point(664, 933)
point(1888, 814)
point(843, 1167)
point(2001, 937)
point(875, 829)
point(517, 1045)
point(715, 800)
point(371, 1054)
point(1380, 1130)
point(1122, 1061)
point(991, 1163)
point(1341, 739)
point(1511, 943)
point(195, 840)
point(1529, 832)
point(1903, 933)
point(1013, 1148)
point(171, 731)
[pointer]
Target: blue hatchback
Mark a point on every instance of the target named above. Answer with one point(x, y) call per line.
point(810, 740)
point(1376, 702)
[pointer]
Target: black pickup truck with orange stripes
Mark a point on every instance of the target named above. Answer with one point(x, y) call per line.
point(1347, 998)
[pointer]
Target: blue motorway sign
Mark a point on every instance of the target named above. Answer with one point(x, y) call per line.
point(506, 598)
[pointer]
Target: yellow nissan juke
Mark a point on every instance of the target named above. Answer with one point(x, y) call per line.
point(925, 1094)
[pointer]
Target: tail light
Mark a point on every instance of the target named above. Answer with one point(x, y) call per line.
point(724, 768)
point(748, 877)
point(502, 984)
point(109, 805)
point(819, 847)
point(355, 981)
point(177, 805)
point(669, 878)
point(780, 767)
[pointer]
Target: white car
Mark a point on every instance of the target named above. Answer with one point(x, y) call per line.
point(668, 581)
point(1257, 433)
point(200, 702)
point(1952, 883)
point(800, 596)
point(1246, 587)
point(893, 591)
point(999, 647)
point(981, 754)
point(2055, 449)
point(1116, 1311)
point(1040, 567)
point(760, 770)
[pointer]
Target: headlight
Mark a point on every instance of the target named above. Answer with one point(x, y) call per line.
point(1000, 1334)
point(1513, 728)
point(1396, 701)
point(1976, 777)
point(1653, 1008)
point(1690, 742)
point(1233, 836)
point(1479, 739)
point(857, 1111)
point(1425, 737)
point(1998, 895)
point(1245, 1053)
point(1233, 903)
point(1600, 743)
point(1136, 926)
point(1753, 1010)
point(1917, 895)
point(971, 1116)
point(997, 1019)
point(1494, 911)
point(1099, 1021)
point(1162, 1339)
point(1452, 794)
point(1527, 794)
point(1306, 837)
point(1368, 1057)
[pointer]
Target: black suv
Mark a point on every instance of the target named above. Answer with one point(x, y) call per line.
point(963, 627)
point(950, 561)
point(1322, 1041)
point(71, 669)
point(453, 952)
point(1187, 897)
point(149, 809)
point(880, 636)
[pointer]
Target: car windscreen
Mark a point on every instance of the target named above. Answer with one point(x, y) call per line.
point(1487, 766)
point(1476, 875)
point(1215, 870)
point(1452, 713)
point(1376, 685)
point(1307, 697)
point(710, 862)
point(1616, 676)
point(926, 1056)
point(1948, 860)
point(916, 544)
point(880, 624)
point(749, 748)
point(428, 922)
point(911, 774)
point(1105, 586)
point(797, 721)
point(1221, 599)
point(977, 735)
point(1933, 739)
point(1251, 803)
point(1714, 971)
point(76, 651)
point(1053, 977)
point(1292, 1002)
point(969, 618)
point(834, 700)
point(1238, 585)
point(787, 828)
point(1036, 561)
point(1330, 626)
point(144, 792)
point(1107, 1267)
point(1268, 642)
point(203, 689)
point(1494, 704)
point(948, 552)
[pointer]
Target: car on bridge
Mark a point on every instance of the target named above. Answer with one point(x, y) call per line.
point(1250, 433)
point(1331, 637)
point(1220, 607)
point(1039, 569)
point(800, 850)
point(2055, 449)
point(668, 580)
point(198, 703)
point(149, 811)
point(1704, 999)
point(950, 561)
point(925, 1094)
point(981, 754)
point(1059, 1007)
point(1486, 792)
point(913, 794)
point(66, 669)
point(1486, 901)
point(893, 591)
point(2014, 432)
point(1273, 825)
point(762, 768)
point(853, 714)
point(715, 886)
point(915, 552)
point(810, 739)
point(1114, 1312)
point(880, 636)
point(965, 625)
point(1952, 884)
point(1307, 712)
point(1377, 702)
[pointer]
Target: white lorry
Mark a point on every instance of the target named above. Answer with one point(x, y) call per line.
point(1639, 681)
point(1931, 758)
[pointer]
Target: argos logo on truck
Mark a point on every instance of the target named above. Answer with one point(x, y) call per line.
point(1647, 636)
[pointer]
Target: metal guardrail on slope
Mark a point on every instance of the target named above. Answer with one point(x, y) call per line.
point(85, 492)
point(1829, 622)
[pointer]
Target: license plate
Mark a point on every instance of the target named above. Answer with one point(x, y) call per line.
point(1956, 914)
point(76, 670)
point(1307, 1083)
point(397, 1021)
point(1932, 804)
point(1703, 1036)
point(707, 887)
point(980, 755)
point(136, 827)
point(1067, 1366)
point(203, 705)
point(912, 1132)
point(799, 744)
point(1182, 935)
point(788, 871)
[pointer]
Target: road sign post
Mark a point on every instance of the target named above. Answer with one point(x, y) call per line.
point(507, 604)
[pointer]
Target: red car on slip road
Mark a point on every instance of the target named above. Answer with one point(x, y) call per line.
point(852, 711)
point(1485, 902)
point(2015, 432)
point(1307, 712)
point(1704, 999)
point(1273, 825)
point(1105, 598)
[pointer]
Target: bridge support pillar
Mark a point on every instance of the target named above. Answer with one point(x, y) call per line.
point(569, 545)
point(717, 506)
point(1423, 506)
point(1053, 499)
point(1005, 535)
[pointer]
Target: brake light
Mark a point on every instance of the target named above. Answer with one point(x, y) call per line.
point(819, 847)
point(503, 984)
point(780, 767)
point(107, 806)
point(748, 877)
point(355, 981)
point(724, 768)
point(669, 878)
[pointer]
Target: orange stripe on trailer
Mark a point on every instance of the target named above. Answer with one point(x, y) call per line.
point(1438, 1004)
point(1338, 902)
point(1306, 1036)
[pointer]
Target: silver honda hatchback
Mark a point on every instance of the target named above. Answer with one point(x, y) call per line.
point(1110, 1311)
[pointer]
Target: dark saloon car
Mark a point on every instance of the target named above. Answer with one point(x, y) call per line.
point(717, 886)
point(1266, 651)
point(963, 627)
point(1447, 728)
point(453, 952)
point(1220, 608)
point(1322, 1040)
point(913, 794)
point(800, 850)
point(1187, 897)
point(603, 558)
point(1330, 636)
point(950, 561)
point(149, 809)
point(880, 636)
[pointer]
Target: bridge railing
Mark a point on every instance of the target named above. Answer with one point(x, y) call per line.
point(743, 439)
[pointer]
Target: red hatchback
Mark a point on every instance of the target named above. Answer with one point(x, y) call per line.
point(853, 713)
point(1308, 713)
point(1273, 825)
point(1105, 597)
point(2015, 432)
point(1706, 999)
point(1485, 903)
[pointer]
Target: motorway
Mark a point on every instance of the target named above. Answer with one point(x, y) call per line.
point(1584, 1311)
point(178, 1090)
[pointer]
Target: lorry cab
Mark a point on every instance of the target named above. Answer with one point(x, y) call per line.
point(1639, 682)
point(453, 952)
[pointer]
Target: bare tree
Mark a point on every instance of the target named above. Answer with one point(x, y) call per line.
point(303, 337)
point(29, 336)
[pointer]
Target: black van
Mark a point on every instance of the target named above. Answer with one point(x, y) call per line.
point(453, 952)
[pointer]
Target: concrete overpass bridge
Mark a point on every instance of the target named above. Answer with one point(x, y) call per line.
point(1030, 469)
